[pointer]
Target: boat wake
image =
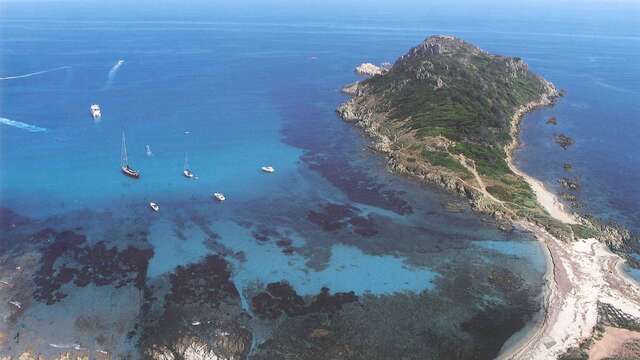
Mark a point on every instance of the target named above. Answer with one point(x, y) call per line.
point(35, 73)
point(21, 125)
point(113, 72)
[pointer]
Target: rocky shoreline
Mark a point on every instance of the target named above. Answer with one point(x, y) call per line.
point(574, 287)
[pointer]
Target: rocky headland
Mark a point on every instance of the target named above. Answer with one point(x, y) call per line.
point(447, 113)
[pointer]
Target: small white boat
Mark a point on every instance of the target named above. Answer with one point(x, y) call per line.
point(219, 196)
point(195, 323)
point(185, 170)
point(16, 304)
point(268, 169)
point(155, 207)
point(95, 111)
point(148, 150)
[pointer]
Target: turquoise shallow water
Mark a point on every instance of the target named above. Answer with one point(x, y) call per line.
point(237, 93)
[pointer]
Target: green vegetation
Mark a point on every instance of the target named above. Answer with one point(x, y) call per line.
point(463, 94)
point(585, 232)
point(441, 158)
point(447, 87)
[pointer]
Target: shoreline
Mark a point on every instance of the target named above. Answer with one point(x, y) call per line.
point(580, 274)
point(567, 286)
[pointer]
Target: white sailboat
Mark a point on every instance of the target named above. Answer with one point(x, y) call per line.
point(124, 161)
point(185, 170)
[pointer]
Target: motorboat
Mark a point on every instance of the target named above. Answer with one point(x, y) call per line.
point(219, 196)
point(268, 169)
point(155, 207)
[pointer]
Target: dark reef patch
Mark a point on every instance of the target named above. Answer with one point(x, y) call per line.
point(356, 183)
point(10, 219)
point(280, 298)
point(563, 140)
point(196, 306)
point(69, 259)
point(208, 281)
point(333, 217)
point(263, 233)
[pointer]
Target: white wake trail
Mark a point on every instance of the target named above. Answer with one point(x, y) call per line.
point(21, 125)
point(113, 72)
point(35, 73)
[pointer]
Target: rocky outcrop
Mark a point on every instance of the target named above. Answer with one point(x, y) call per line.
point(368, 69)
point(224, 347)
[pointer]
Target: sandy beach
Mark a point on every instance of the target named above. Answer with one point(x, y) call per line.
point(579, 275)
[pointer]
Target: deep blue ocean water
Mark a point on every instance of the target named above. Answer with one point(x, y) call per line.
point(238, 89)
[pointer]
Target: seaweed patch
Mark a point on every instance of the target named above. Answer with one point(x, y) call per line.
point(66, 260)
point(280, 298)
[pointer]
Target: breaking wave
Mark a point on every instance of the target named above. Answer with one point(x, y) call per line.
point(21, 125)
point(35, 73)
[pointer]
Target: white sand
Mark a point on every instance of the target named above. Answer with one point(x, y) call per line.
point(578, 276)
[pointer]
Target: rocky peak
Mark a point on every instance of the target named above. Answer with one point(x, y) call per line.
point(437, 45)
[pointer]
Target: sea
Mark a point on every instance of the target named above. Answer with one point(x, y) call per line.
point(330, 255)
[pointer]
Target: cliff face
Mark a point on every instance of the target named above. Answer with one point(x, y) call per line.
point(446, 112)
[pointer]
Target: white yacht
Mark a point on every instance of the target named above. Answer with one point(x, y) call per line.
point(155, 207)
point(268, 169)
point(219, 196)
point(95, 111)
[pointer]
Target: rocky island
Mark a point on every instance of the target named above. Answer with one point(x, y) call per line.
point(447, 113)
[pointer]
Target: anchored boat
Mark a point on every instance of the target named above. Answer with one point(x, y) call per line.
point(185, 170)
point(268, 169)
point(95, 111)
point(155, 207)
point(124, 162)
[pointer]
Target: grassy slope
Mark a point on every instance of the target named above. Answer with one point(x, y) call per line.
point(478, 96)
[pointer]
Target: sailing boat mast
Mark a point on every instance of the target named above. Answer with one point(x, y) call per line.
point(124, 162)
point(185, 170)
point(123, 153)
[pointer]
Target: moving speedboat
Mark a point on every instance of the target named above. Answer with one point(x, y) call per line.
point(268, 169)
point(95, 111)
point(124, 162)
point(219, 196)
point(155, 207)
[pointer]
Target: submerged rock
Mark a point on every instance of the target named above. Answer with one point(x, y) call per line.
point(571, 184)
point(69, 259)
point(280, 298)
point(564, 141)
point(200, 316)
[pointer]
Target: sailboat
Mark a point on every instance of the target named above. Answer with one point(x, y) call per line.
point(124, 162)
point(185, 170)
